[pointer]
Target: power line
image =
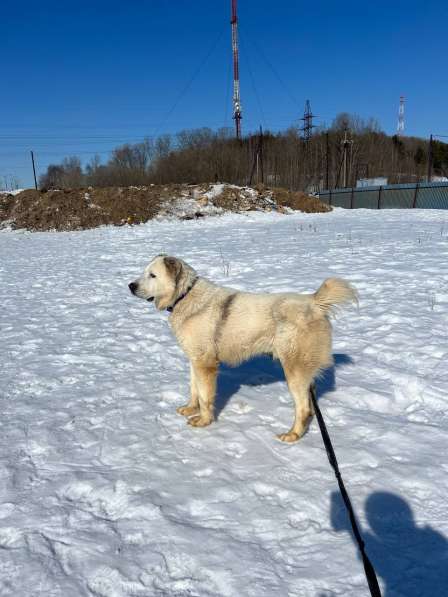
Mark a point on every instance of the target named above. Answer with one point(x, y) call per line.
point(190, 81)
point(51, 137)
point(140, 126)
point(226, 105)
point(245, 55)
point(45, 152)
point(25, 145)
point(273, 69)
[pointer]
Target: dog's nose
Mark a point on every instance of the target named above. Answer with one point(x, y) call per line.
point(133, 287)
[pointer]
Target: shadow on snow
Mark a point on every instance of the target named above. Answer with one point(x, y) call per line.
point(264, 370)
point(411, 560)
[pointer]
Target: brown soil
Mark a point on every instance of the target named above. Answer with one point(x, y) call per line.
point(75, 209)
point(299, 201)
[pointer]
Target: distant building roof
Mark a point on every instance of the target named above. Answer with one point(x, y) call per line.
point(379, 181)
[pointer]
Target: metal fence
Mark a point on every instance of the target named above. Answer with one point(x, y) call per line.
point(422, 195)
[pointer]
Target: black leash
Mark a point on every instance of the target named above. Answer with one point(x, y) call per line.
point(368, 568)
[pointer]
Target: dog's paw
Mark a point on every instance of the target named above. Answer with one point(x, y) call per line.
point(289, 437)
point(198, 421)
point(187, 411)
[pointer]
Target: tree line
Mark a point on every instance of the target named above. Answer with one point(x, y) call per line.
point(276, 159)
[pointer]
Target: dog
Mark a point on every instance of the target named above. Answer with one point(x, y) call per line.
point(214, 324)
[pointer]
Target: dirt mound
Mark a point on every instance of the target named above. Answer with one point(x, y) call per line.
point(299, 201)
point(76, 209)
point(238, 199)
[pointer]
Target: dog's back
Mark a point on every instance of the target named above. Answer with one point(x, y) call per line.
point(287, 325)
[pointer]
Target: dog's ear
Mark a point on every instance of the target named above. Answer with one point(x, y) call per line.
point(174, 269)
point(181, 277)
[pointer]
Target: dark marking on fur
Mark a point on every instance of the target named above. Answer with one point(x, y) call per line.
point(225, 312)
point(178, 276)
point(225, 309)
point(174, 267)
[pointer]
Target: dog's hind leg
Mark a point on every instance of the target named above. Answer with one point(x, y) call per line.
point(192, 408)
point(299, 381)
point(206, 386)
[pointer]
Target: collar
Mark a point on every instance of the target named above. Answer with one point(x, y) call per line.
point(182, 296)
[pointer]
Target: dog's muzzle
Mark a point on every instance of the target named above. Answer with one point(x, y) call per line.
point(133, 287)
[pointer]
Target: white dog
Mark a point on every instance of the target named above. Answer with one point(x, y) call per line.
point(214, 324)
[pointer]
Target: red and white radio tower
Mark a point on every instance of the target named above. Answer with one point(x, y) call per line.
point(400, 126)
point(236, 73)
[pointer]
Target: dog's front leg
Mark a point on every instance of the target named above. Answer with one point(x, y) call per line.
point(192, 408)
point(206, 385)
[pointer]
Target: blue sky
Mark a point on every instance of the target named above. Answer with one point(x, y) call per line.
point(80, 78)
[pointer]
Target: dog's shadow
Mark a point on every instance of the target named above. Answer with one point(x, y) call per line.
point(264, 370)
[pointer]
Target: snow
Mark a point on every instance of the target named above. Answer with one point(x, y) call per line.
point(105, 491)
point(197, 201)
point(216, 190)
point(12, 192)
point(187, 208)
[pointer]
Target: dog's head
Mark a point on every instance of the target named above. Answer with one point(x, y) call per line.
point(164, 280)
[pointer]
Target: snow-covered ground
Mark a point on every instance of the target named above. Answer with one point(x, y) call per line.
point(12, 192)
point(105, 491)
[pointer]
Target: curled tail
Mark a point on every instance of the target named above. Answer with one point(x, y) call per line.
point(334, 291)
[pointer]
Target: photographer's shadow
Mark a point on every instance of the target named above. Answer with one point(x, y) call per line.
point(411, 560)
point(264, 370)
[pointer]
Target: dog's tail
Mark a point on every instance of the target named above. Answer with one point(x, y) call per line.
point(334, 291)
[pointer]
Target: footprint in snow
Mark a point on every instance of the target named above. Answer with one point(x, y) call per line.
point(239, 407)
point(6, 509)
point(235, 450)
point(205, 472)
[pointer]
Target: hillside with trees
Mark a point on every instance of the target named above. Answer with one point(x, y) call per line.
point(283, 159)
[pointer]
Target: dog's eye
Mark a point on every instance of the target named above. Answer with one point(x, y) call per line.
point(152, 275)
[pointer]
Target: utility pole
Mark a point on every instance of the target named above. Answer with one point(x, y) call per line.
point(327, 161)
point(34, 170)
point(430, 158)
point(236, 73)
point(257, 162)
point(400, 125)
point(307, 129)
point(346, 147)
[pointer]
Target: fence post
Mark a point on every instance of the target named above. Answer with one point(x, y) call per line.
point(414, 203)
point(380, 190)
point(351, 199)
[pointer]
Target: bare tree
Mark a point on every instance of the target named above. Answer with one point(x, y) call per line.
point(203, 155)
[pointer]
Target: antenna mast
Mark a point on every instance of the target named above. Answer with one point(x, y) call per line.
point(400, 126)
point(236, 74)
